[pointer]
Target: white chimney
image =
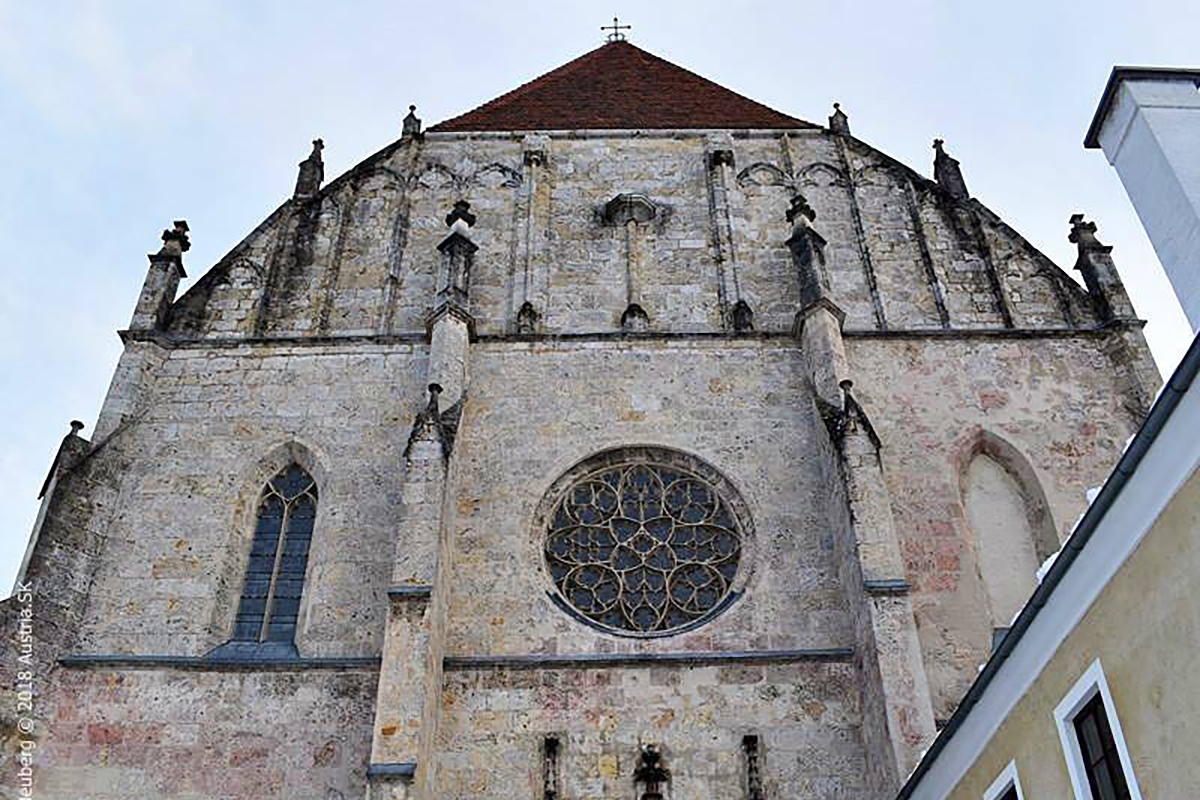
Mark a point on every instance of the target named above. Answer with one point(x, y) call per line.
point(1148, 125)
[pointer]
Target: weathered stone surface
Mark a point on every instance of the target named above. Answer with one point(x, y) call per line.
point(119, 734)
point(1058, 404)
point(360, 257)
point(806, 715)
point(314, 341)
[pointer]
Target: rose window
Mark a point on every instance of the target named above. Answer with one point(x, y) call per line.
point(644, 547)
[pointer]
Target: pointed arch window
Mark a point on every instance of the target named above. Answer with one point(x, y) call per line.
point(274, 581)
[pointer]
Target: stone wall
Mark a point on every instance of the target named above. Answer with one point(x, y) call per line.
point(806, 715)
point(308, 342)
point(145, 733)
point(219, 424)
point(536, 409)
point(360, 258)
point(1054, 400)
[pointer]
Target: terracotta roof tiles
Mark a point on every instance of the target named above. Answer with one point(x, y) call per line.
point(619, 86)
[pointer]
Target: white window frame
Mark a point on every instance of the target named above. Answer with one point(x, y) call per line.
point(1008, 779)
point(1091, 683)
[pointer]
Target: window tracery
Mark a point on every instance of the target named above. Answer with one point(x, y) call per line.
point(270, 602)
point(646, 546)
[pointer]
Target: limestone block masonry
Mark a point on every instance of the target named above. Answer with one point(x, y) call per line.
point(436, 337)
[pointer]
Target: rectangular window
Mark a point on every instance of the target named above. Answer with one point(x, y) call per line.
point(550, 747)
point(1094, 745)
point(754, 787)
point(1101, 762)
point(1007, 785)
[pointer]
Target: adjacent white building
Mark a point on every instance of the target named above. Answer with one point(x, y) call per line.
point(1091, 695)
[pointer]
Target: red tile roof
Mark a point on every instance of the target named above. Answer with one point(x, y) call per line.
point(619, 86)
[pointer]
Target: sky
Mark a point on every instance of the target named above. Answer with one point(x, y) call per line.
point(117, 117)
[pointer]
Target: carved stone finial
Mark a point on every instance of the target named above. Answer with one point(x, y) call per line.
point(800, 212)
point(162, 280)
point(718, 149)
point(801, 215)
point(808, 252)
point(635, 319)
point(527, 318)
point(411, 125)
point(535, 148)
point(948, 173)
point(458, 258)
point(1095, 264)
point(312, 172)
point(838, 121)
point(434, 425)
point(175, 240)
point(651, 772)
point(1083, 234)
point(742, 316)
point(71, 450)
point(461, 211)
point(435, 391)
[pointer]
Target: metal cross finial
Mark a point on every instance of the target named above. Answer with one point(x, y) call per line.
point(616, 35)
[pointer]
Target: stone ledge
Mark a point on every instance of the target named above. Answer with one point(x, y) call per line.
point(399, 770)
point(992, 333)
point(887, 586)
point(413, 592)
point(603, 660)
point(419, 339)
point(119, 661)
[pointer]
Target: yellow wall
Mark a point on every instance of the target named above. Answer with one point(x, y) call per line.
point(1145, 628)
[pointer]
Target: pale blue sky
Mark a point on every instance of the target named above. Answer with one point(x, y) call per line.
point(117, 117)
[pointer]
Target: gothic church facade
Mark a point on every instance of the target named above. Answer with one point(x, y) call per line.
point(620, 438)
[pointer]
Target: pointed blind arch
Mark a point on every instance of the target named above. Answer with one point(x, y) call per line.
point(1009, 518)
point(1004, 542)
point(270, 602)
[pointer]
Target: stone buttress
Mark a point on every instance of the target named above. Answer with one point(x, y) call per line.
point(898, 716)
point(408, 703)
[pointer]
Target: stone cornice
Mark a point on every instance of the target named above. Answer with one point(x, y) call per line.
point(622, 336)
point(699, 658)
point(200, 663)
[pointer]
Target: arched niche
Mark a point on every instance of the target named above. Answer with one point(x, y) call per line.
point(1009, 521)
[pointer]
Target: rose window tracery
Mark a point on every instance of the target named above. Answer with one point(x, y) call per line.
point(644, 547)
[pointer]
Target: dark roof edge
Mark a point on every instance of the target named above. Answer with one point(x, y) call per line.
point(1118, 74)
point(800, 125)
point(1155, 421)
